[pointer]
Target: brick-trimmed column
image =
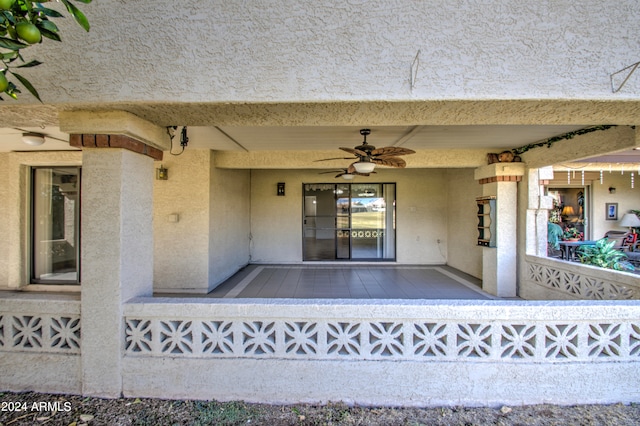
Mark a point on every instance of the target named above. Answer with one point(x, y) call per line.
point(499, 263)
point(116, 232)
point(493, 179)
point(114, 141)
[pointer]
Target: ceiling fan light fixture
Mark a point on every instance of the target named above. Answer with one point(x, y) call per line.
point(364, 166)
point(33, 139)
point(348, 176)
point(368, 156)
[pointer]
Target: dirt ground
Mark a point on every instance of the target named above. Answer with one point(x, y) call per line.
point(35, 409)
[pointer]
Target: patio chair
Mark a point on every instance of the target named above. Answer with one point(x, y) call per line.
point(634, 254)
point(621, 238)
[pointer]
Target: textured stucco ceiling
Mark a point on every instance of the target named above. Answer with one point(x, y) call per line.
point(488, 126)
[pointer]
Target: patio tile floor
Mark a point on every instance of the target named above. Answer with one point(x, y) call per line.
point(312, 281)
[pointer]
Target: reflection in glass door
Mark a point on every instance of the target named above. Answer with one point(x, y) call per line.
point(349, 222)
point(372, 227)
point(319, 222)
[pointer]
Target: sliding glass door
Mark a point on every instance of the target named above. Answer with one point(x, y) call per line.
point(349, 222)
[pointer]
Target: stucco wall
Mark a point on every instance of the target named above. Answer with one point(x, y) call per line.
point(271, 49)
point(181, 249)
point(229, 211)
point(423, 213)
point(276, 222)
point(5, 207)
point(463, 252)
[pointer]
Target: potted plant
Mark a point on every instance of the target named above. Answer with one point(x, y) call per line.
point(554, 235)
point(603, 255)
point(571, 234)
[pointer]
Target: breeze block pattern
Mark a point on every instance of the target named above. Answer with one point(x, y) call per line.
point(385, 339)
point(40, 333)
point(587, 283)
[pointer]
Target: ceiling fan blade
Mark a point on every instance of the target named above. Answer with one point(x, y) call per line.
point(335, 158)
point(392, 150)
point(349, 150)
point(354, 151)
point(331, 171)
point(390, 161)
point(351, 169)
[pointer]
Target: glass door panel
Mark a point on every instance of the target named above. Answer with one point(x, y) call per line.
point(367, 221)
point(349, 221)
point(343, 221)
point(319, 222)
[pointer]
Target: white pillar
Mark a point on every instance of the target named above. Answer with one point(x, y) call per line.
point(538, 211)
point(116, 257)
point(499, 263)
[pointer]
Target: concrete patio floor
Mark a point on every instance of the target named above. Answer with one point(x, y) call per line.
point(348, 281)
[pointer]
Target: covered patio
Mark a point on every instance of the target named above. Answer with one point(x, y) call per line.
point(180, 151)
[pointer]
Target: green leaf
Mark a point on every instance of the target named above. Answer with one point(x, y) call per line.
point(84, 1)
point(50, 35)
point(8, 56)
point(77, 14)
point(47, 25)
point(48, 12)
point(27, 85)
point(10, 44)
point(33, 63)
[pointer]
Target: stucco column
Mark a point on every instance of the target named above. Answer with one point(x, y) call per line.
point(537, 211)
point(116, 258)
point(116, 238)
point(499, 263)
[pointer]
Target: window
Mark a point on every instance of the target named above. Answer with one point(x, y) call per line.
point(55, 225)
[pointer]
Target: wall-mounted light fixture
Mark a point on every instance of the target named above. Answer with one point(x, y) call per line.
point(162, 173)
point(33, 139)
point(612, 190)
point(280, 189)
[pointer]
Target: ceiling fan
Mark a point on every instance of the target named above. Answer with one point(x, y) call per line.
point(348, 173)
point(368, 156)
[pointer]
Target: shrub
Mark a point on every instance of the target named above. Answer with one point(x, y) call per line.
point(603, 255)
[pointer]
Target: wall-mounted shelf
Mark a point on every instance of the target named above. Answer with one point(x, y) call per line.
point(486, 221)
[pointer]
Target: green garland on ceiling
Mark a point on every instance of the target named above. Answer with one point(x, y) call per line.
point(566, 136)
